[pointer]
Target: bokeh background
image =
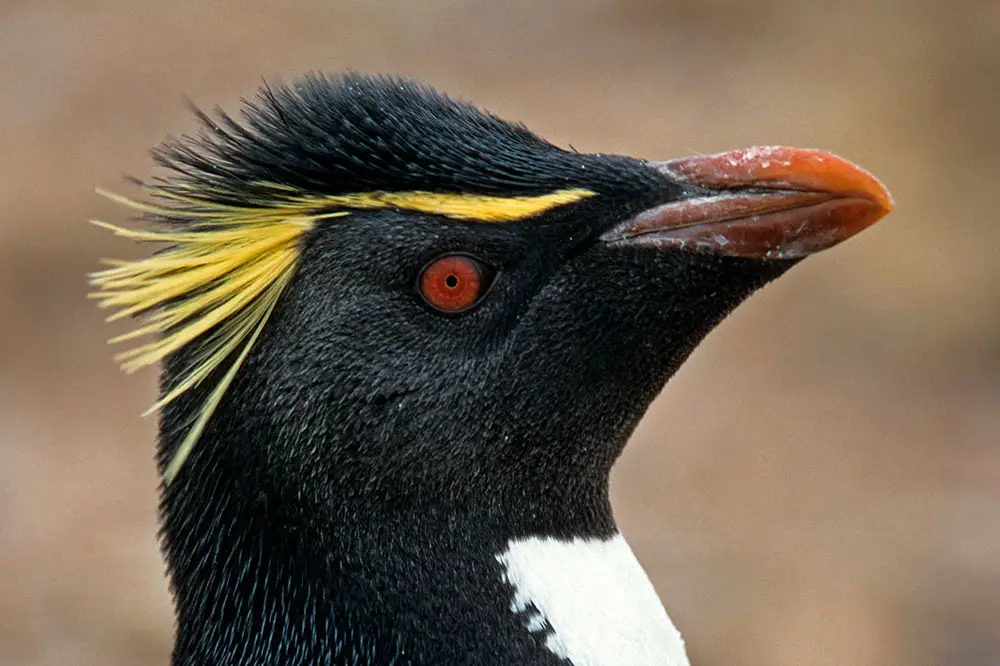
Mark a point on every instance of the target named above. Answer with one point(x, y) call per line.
point(821, 482)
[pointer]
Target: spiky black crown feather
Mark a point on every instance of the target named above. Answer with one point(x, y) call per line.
point(358, 133)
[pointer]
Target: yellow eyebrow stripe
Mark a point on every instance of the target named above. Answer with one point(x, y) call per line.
point(468, 207)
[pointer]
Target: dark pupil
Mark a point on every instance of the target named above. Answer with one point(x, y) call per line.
point(451, 281)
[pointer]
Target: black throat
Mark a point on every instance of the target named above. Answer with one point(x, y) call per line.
point(267, 572)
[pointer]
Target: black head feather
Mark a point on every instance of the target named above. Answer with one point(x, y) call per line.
point(358, 133)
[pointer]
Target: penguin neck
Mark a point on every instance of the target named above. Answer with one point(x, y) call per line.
point(257, 581)
point(264, 574)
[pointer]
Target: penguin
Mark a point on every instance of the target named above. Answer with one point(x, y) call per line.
point(403, 342)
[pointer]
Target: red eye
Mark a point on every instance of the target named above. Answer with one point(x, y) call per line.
point(453, 283)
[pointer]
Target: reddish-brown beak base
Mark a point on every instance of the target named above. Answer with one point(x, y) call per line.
point(770, 202)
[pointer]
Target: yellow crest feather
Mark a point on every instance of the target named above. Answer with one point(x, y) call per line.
point(217, 281)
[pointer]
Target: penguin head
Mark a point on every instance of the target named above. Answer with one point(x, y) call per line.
point(375, 297)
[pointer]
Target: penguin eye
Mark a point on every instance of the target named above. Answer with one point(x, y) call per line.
point(454, 283)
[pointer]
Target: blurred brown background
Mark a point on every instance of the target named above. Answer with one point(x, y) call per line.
point(819, 485)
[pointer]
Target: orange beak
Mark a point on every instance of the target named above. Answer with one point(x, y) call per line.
point(770, 202)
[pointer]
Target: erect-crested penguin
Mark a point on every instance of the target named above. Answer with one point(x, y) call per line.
point(403, 343)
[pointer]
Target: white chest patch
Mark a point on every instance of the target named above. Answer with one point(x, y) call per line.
point(599, 603)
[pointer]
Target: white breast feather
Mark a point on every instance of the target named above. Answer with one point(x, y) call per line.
point(600, 604)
